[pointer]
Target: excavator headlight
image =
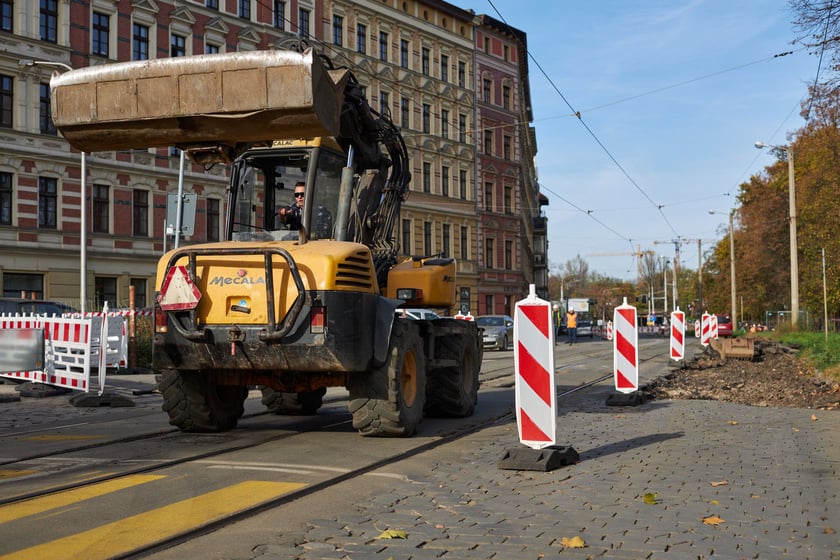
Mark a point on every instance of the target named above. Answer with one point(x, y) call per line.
point(409, 294)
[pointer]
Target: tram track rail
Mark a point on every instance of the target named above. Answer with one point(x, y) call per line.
point(459, 431)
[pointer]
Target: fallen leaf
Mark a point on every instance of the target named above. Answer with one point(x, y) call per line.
point(719, 483)
point(733, 422)
point(651, 498)
point(714, 502)
point(796, 429)
point(440, 526)
point(713, 520)
point(828, 531)
point(813, 418)
point(574, 542)
point(393, 534)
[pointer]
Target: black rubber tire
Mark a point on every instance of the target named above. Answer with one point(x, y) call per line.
point(389, 401)
point(196, 404)
point(504, 345)
point(452, 392)
point(304, 403)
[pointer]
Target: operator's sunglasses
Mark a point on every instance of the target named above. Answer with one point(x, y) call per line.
point(298, 195)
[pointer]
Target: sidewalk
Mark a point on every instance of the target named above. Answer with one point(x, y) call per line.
point(769, 474)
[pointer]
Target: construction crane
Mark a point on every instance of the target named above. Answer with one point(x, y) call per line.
point(638, 253)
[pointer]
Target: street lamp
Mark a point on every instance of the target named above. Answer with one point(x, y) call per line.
point(794, 258)
point(731, 264)
point(82, 192)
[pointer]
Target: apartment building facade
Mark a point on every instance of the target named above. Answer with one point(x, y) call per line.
point(416, 59)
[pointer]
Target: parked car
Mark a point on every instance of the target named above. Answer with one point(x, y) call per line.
point(417, 313)
point(498, 330)
point(724, 323)
point(21, 306)
point(584, 327)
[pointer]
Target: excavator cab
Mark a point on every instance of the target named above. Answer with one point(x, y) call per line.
point(263, 181)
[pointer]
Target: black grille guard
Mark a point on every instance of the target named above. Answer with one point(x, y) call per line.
point(186, 323)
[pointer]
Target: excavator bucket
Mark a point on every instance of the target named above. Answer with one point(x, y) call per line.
point(193, 101)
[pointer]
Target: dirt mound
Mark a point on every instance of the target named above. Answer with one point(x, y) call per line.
point(774, 377)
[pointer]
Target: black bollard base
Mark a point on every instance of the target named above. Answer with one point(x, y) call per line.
point(105, 399)
point(626, 399)
point(546, 459)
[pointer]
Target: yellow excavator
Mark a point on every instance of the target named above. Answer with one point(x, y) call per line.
point(291, 308)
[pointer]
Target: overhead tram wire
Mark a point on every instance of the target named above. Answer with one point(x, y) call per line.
point(594, 136)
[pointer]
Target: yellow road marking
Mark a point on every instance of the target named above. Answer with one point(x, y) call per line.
point(12, 473)
point(121, 537)
point(60, 499)
point(59, 438)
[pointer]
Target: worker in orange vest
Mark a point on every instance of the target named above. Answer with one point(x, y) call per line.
point(571, 326)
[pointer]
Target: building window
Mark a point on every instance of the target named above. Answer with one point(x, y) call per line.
point(213, 219)
point(383, 102)
point(7, 15)
point(488, 196)
point(303, 23)
point(488, 85)
point(508, 255)
point(446, 240)
point(488, 253)
point(508, 200)
point(488, 142)
point(427, 238)
point(106, 290)
point(487, 44)
point(488, 304)
point(444, 68)
point(5, 198)
point(212, 4)
point(245, 9)
point(178, 46)
point(44, 114)
point(140, 42)
point(444, 123)
point(47, 202)
point(506, 97)
point(100, 32)
point(427, 118)
point(427, 177)
point(506, 52)
point(424, 61)
point(462, 74)
point(405, 112)
point(140, 213)
point(6, 101)
point(361, 38)
point(279, 14)
point(507, 144)
point(101, 208)
point(139, 285)
point(383, 46)
point(210, 48)
point(49, 21)
point(406, 237)
point(404, 53)
point(16, 285)
point(462, 184)
point(338, 31)
point(462, 128)
point(444, 180)
point(465, 243)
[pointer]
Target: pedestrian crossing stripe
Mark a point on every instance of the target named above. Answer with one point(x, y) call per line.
point(144, 529)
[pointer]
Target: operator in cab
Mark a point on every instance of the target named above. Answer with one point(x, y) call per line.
point(292, 216)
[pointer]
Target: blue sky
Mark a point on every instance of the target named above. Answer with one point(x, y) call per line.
point(677, 92)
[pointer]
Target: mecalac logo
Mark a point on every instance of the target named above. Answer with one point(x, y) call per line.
point(241, 278)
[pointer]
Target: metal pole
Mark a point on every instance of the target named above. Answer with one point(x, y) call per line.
point(794, 257)
point(732, 268)
point(665, 288)
point(83, 236)
point(699, 278)
point(825, 297)
point(180, 206)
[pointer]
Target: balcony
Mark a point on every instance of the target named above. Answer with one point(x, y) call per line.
point(540, 224)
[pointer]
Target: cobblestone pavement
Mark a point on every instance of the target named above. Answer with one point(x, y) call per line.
point(769, 474)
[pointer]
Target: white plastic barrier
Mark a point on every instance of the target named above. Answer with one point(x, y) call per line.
point(67, 350)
